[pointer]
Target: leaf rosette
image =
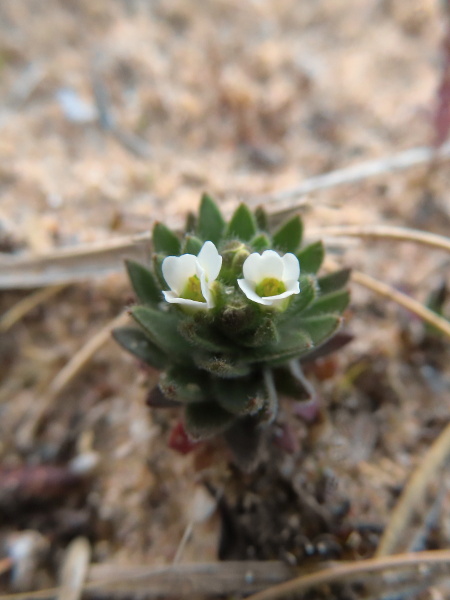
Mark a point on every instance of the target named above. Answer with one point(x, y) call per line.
point(223, 312)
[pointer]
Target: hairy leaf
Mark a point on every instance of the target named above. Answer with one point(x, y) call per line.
point(183, 384)
point(335, 302)
point(244, 439)
point(192, 245)
point(222, 366)
point(210, 222)
point(320, 328)
point(261, 219)
point(202, 337)
point(135, 341)
point(289, 236)
point(162, 330)
point(334, 281)
point(205, 419)
point(239, 396)
point(260, 242)
point(242, 224)
point(311, 257)
point(143, 282)
point(165, 241)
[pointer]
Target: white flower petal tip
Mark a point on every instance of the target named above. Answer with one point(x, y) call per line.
point(269, 279)
point(190, 277)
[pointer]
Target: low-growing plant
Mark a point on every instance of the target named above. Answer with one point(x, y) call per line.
point(227, 312)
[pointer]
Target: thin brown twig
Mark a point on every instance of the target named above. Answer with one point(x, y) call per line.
point(24, 306)
point(386, 232)
point(68, 373)
point(414, 493)
point(387, 291)
point(353, 570)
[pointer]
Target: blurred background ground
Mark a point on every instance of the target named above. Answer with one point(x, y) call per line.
point(114, 114)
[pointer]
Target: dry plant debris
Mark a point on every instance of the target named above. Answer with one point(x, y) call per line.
point(119, 114)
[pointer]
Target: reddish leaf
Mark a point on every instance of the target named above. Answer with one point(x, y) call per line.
point(179, 440)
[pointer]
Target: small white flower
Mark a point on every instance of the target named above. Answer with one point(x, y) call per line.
point(270, 278)
point(190, 277)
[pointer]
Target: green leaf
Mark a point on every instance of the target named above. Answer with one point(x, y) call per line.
point(143, 282)
point(261, 219)
point(201, 336)
point(162, 330)
point(135, 341)
point(239, 396)
point(192, 245)
point(191, 223)
point(436, 302)
point(336, 302)
point(156, 399)
point(301, 301)
point(288, 385)
point(437, 298)
point(260, 242)
point(265, 333)
point(183, 384)
point(334, 281)
point(292, 344)
point(210, 222)
point(221, 366)
point(332, 344)
point(311, 257)
point(242, 224)
point(158, 260)
point(244, 439)
point(205, 419)
point(165, 241)
point(289, 236)
point(321, 328)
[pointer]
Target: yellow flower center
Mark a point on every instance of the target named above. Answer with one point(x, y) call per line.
point(270, 287)
point(193, 290)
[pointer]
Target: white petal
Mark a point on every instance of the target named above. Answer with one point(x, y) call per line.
point(251, 268)
point(292, 286)
point(250, 292)
point(174, 299)
point(205, 287)
point(291, 267)
point(177, 270)
point(210, 261)
point(259, 266)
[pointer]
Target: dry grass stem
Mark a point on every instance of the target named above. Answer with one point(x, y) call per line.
point(74, 570)
point(385, 232)
point(287, 199)
point(353, 571)
point(23, 307)
point(83, 356)
point(68, 373)
point(183, 580)
point(414, 494)
point(387, 291)
point(71, 264)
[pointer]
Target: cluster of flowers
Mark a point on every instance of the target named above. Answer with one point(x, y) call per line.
point(226, 317)
point(269, 279)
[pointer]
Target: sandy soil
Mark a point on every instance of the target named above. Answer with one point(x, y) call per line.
point(114, 114)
